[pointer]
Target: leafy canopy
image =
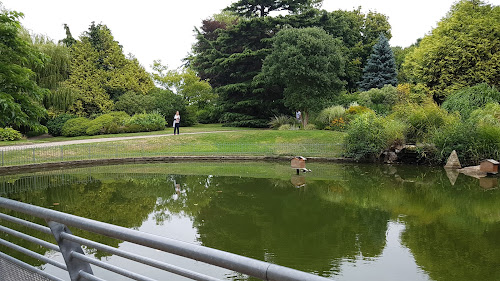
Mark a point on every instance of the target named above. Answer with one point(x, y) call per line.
point(308, 63)
point(20, 96)
point(463, 50)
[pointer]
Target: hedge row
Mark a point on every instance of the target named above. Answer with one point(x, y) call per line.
point(110, 123)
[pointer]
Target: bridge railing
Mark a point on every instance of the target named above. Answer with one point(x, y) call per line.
point(78, 265)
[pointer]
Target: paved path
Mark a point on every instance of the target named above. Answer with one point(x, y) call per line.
point(59, 143)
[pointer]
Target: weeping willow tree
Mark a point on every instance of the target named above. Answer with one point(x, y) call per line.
point(51, 74)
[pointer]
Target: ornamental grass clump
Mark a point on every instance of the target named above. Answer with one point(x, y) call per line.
point(278, 121)
point(329, 115)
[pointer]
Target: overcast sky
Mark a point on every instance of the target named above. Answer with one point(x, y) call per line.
point(163, 29)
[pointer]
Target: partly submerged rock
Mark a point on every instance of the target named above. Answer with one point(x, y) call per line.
point(453, 162)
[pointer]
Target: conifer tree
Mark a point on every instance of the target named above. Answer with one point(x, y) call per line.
point(380, 69)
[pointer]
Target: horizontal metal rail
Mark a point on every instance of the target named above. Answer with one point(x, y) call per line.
point(59, 221)
point(13, 156)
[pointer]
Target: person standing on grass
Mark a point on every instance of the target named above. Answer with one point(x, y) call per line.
point(177, 121)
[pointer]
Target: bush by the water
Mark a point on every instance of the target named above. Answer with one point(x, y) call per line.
point(472, 141)
point(55, 125)
point(75, 127)
point(468, 99)
point(9, 134)
point(368, 135)
point(422, 120)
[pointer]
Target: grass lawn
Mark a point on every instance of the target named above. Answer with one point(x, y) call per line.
point(167, 131)
point(219, 141)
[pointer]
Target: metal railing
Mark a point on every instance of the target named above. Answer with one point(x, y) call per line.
point(78, 265)
point(34, 155)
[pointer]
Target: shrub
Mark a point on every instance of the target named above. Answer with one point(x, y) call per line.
point(380, 100)
point(472, 142)
point(310, 127)
point(278, 121)
point(75, 127)
point(422, 120)
point(337, 124)
point(55, 124)
point(368, 135)
point(146, 122)
point(133, 103)
point(468, 99)
point(37, 131)
point(327, 115)
point(288, 127)
point(9, 134)
point(110, 123)
point(490, 114)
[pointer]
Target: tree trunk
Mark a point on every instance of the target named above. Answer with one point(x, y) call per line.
point(305, 119)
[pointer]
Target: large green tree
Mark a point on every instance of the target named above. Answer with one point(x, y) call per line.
point(100, 73)
point(463, 50)
point(308, 63)
point(229, 53)
point(262, 8)
point(380, 69)
point(20, 96)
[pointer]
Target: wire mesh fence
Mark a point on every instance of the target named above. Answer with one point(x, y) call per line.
point(94, 151)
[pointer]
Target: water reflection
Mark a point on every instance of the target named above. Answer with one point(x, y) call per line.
point(350, 222)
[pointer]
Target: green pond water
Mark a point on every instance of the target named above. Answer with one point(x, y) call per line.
point(341, 221)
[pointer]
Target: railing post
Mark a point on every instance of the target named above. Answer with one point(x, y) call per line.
point(67, 247)
point(62, 153)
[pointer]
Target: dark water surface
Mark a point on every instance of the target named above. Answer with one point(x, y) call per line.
point(345, 222)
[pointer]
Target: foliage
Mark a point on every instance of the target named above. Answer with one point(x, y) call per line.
point(100, 72)
point(310, 127)
point(110, 123)
point(75, 127)
point(380, 100)
point(411, 93)
point(185, 82)
point(146, 122)
point(9, 134)
point(288, 127)
point(337, 124)
point(367, 137)
point(20, 96)
point(132, 103)
point(489, 114)
point(354, 110)
point(468, 99)
point(54, 125)
point(278, 121)
point(422, 120)
point(463, 50)
point(380, 69)
point(473, 142)
point(229, 54)
point(262, 8)
point(167, 103)
point(329, 114)
point(308, 63)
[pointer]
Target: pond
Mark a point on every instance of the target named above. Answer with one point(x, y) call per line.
point(341, 221)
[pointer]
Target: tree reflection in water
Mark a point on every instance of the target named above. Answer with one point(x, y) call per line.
point(341, 214)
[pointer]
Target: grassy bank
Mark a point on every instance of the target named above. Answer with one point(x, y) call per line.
point(200, 143)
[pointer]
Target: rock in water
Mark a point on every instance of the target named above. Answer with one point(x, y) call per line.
point(453, 162)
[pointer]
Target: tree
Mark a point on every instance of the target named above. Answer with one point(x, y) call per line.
point(308, 63)
point(262, 8)
point(463, 50)
point(186, 83)
point(100, 73)
point(20, 96)
point(380, 69)
point(229, 53)
point(69, 40)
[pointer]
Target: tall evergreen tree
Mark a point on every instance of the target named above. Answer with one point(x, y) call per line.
point(69, 40)
point(380, 69)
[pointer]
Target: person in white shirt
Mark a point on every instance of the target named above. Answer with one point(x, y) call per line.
point(177, 121)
